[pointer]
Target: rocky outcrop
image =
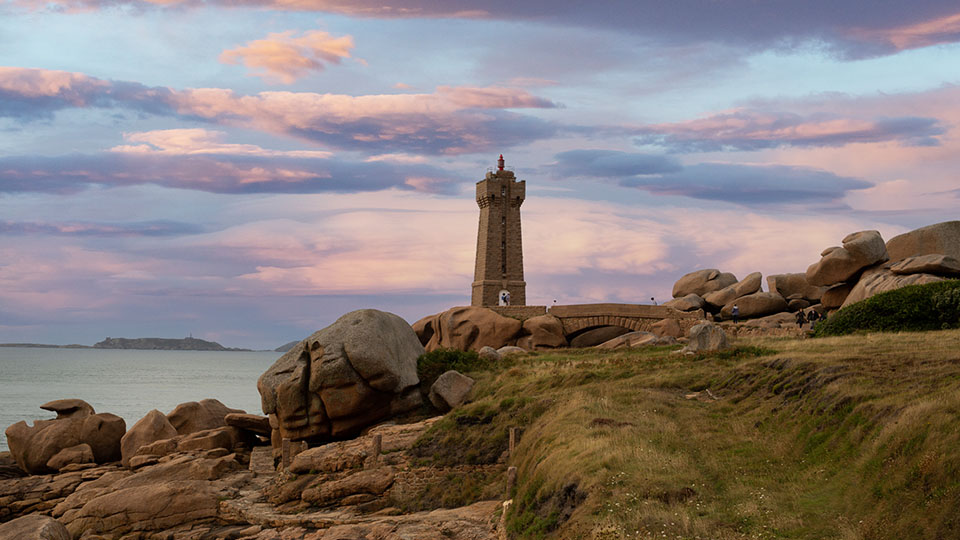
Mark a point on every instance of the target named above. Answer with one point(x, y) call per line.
point(706, 337)
point(450, 390)
point(350, 375)
point(756, 305)
point(839, 264)
point(636, 339)
point(69, 408)
point(702, 282)
point(834, 297)
point(34, 446)
point(796, 286)
point(34, 527)
point(880, 279)
point(724, 296)
point(667, 328)
point(467, 329)
point(690, 302)
point(542, 332)
point(596, 336)
point(194, 416)
point(253, 423)
point(940, 265)
point(938, 239)
point(153, 427)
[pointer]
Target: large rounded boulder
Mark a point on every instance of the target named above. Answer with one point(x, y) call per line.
point(352, 374)
point(702, 282)
point(940, 238)
point(724, 296)
point(755, 305)
point(881, 279)
point(542, 332)
point(795, 286)
point(467, 329)
point(839, 264)
point(34, 446)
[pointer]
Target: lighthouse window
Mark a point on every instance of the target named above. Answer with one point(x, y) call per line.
point(503, 190)
point(503, 220)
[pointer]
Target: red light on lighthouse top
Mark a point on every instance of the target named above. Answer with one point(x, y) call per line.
point(500, 163)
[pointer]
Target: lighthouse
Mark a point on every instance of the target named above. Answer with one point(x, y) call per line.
point(498, 275)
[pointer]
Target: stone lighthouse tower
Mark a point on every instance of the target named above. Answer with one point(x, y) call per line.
point(498, 277)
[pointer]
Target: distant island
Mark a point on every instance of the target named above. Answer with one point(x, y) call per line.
point(148, 344)
point(287, 346)
point(163, 344)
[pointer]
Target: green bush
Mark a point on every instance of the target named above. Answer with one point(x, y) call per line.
point(434, 363)
point(933, 306)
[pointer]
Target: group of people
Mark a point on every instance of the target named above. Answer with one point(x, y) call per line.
point(811, 317)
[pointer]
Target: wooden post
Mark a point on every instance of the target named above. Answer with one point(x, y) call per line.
point(511, 481)
point(377, 448)
point(285, 456)
point(513, 441)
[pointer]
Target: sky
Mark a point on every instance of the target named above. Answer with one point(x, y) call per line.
point(247, 172)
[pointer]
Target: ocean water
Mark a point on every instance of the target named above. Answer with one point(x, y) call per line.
point(127, 383)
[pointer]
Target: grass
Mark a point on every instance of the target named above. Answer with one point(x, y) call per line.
point(851, 437)
point(933, 306)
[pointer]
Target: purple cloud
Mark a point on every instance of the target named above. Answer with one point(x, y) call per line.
point(750, 184)
point(215, 173)
point(134, 229)
point(611, 164)
point(746, 130)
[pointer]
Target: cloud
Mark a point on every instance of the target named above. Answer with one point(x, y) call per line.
point(285, 57)
point(93, 229)
point(746, 129)
point(849, 28)
point(750, 184)
point(452, 120)
point(611, 164)
point(196, 141)
point(233, 174)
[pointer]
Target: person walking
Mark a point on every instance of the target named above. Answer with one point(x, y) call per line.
point(736, 313)
point(800, 319)
point(813, 317)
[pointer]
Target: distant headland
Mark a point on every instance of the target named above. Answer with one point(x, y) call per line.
point(149, 344)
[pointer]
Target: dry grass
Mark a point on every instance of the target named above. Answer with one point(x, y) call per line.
point(853, 437)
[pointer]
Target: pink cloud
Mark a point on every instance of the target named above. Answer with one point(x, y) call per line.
point(451, 120)
point(196, 141)
point(925, 33)
point(285, 57)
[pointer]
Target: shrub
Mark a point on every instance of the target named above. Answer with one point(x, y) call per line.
point(933, 306)
point(434, 363)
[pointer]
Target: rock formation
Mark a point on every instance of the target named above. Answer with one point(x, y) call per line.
point(352, 374)
point(450, 390)
point(467, 329)
point(34, 447)
point(838, 264)
point(702, 282)
point(724, 296)
point(938, 239)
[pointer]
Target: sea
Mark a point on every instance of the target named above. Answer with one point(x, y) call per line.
point(127, 383)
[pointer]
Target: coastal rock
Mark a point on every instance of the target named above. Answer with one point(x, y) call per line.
point(352, 374)
point(940, 238)
point(755, 305)
point(250, 422)
point(724, 296)
point(425, 328)
point(702, 282)
point(632, 340)
point(706, 337)
point(787, 285)
point(149, 429)
point(81, 453)
point(470, 329)
point(149, 507)
point(543, 332)
point(839, 264)
point(798, 304)
point(34, 527)
point(834, 297)
point(596, 336)
point(667, 328)
point(450, 390)
point(941, 265)
point(690, 302)
point(511, 349)
point(33, 446)
point(69, 408)
point(194, 416)
point(880, 279)
point(489, 354)
point(369, 482)
point(777, 320)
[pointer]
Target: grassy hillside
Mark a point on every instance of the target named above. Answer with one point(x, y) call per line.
point(845, 437)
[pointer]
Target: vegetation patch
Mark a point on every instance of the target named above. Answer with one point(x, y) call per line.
point(435, 363)
point(457, 488)
point(934, 306)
